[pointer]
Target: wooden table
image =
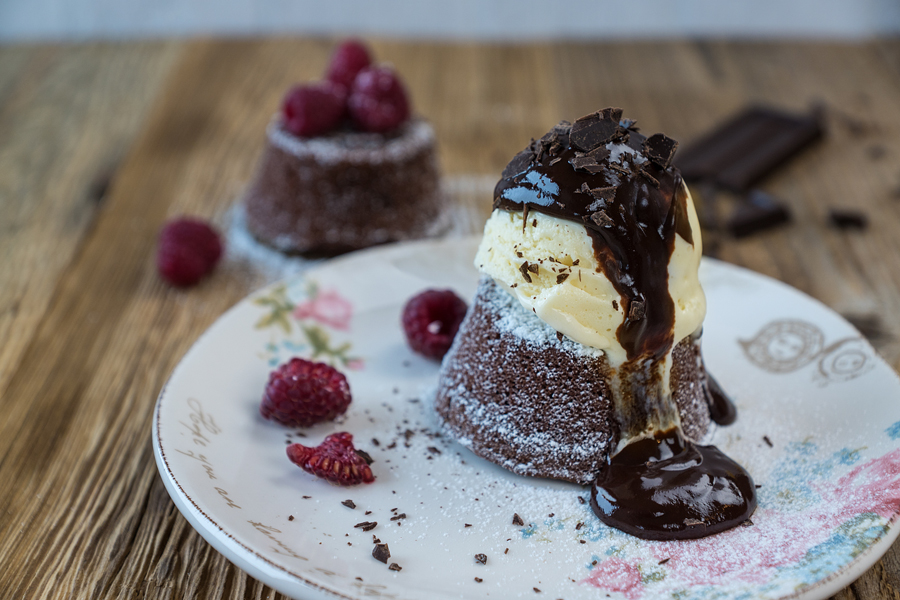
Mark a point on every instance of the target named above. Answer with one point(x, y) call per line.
point(101, 143)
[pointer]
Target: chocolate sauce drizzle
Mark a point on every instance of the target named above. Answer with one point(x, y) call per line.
point(601, 172)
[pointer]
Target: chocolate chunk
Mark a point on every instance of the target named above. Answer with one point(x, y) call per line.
point(595, 129)
point(601, 219)
point(518, 164)
point(366, 525)
point(604, 193)
point(583, 162)
point(523, 269)
point(561, 277)
point(395, 567)
point(349, 503)
point(517, 520)
point(751, 145)
point(845, 218)
point(758, 212)
point(481, 559)
point(660, 149)
point(381, 552)
point(534, 268)
point(365, 456)
point(636, 310)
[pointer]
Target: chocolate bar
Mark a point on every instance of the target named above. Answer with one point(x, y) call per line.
point(757, 212)
point(740, 152)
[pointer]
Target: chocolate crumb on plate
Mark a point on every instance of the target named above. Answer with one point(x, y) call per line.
point(349, 503)
point(290, 517)
point(366, 525)
point(536, 590)
point(381, 552)
point(467, 525)
point(398, 517)
point(365, 456)
point(481, 559)
point(307, 497)
point(395, 567)
point(664, 561)
point(580, 499)
point(506, 551)
point(768, 441)
point(478, 580)
point(845, 218)
point(517, 520)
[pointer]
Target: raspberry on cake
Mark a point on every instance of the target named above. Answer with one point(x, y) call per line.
point(346, 164)
point(580, 356)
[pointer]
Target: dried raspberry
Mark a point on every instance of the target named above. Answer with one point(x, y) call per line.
point(431, 320)
point(301, 393)
point(335, 460)
point(187, 250)
point(348, 60)
point(314, 109)
point(377, 100)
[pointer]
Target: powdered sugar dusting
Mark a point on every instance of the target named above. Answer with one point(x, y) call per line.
point(414, 136)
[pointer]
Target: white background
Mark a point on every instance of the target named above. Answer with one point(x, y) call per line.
point(48, 20)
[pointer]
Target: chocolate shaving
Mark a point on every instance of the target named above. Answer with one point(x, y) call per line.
point(554, 161)
point(650, 178)
point(636, 310)
point(534, 268)
point(582, 162)
point(664, 561)
point(579, 525)
point(349, 503)
point(601, 219)
point(561, 277)
point(523, 269)
point(366, 525)
point(398, 517)
point(604, 193)
point(517, 520)
point(481, 559)
point(768, 441)
point(395, 567)
point(381, 552)
point(660, 149)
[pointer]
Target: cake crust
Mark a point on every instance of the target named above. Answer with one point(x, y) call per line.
point(516, 393)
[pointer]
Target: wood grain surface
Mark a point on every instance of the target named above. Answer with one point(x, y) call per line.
point(100, 144)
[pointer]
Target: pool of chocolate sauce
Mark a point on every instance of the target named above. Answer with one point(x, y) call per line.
point(621, 186)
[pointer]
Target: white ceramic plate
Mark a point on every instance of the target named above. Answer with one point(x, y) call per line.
point(818, 428)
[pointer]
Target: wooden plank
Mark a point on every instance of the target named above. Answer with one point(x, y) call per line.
point(67, 117)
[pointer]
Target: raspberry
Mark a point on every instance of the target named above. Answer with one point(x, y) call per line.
point(348, 60)
point(314, 109)
point(301, 393)
point(431, 320)
point(377, 100)
point(335, 460)
point(187, 250)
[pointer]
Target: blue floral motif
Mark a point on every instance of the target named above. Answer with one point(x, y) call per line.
point(893, 431)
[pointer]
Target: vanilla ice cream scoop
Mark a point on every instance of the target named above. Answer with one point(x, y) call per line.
point(599, 239)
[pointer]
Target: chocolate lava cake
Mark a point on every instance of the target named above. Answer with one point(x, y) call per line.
point(583, 339)
point(346, 190)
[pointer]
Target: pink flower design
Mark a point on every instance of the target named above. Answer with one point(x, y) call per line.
point(356, 364)
point(617, 575)
point(328, 308)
